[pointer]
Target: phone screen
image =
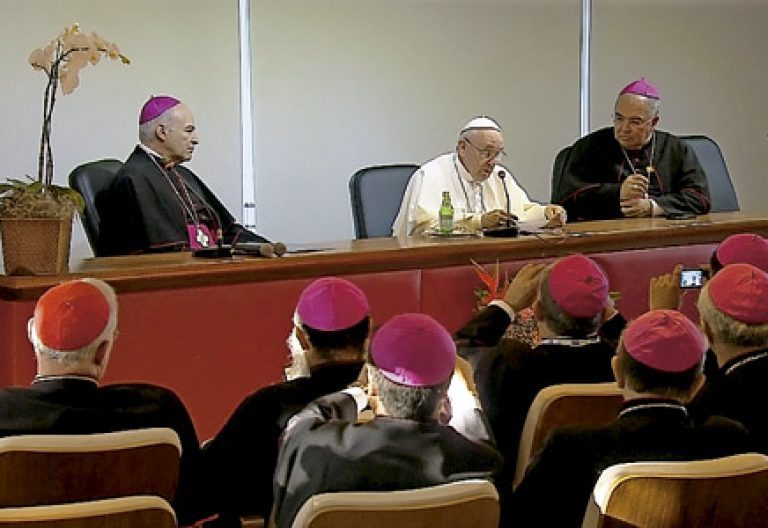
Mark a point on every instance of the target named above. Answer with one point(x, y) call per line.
point(691, 279)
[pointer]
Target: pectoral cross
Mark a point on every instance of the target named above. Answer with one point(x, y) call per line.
point(201, 237)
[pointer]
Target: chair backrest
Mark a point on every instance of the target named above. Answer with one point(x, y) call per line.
point(53, 469)
point(376, 193)
point(565, 404)
point(558, 168)
point(730, 491)
point(89, 179)
point(141, 511)
point(457, 504)
point(711, 159)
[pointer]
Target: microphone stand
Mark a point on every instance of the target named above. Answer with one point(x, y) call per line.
point(510, 230)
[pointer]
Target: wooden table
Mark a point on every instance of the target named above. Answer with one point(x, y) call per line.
point(214, 330)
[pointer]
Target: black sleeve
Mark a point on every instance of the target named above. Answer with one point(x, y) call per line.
point(588, 190)
point(231, 230)
point(689, 191)
point(486, 327)
point(240, 460)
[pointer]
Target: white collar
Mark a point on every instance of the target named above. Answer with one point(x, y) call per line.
point(652, 405)
point(150, 151)
point(81, 377)
point(744, 361)
point(570, 341)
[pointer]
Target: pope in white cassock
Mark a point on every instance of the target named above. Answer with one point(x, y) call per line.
point(471, 176)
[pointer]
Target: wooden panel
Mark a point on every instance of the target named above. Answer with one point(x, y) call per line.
point(214, 330)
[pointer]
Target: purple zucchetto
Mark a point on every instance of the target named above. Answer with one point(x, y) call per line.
point(664, 340)
point(740, 292)
point(745, 248)
point(330, 304)
point(414, 350)
point(578, 286)
point(156, 106)
point(641, 87)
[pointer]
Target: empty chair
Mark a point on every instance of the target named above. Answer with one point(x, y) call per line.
point(721, 191)
point(457, 504)
point(376, 193)
point(142, 511)
point(729, 492)
point(90, 179)
point(53, 469)
point(565, 404)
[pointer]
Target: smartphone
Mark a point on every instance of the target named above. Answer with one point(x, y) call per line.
point(692, 278)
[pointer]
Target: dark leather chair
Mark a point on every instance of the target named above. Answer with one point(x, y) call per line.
point(376, 193)
point(558, 168)
point(90, 179)
point(721, 191)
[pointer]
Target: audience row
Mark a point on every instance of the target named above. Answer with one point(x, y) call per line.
point(411, 406)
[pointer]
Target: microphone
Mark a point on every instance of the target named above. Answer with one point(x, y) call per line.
point(279, 248)
point(259, 249)
point(503, 177)
point(510, 230)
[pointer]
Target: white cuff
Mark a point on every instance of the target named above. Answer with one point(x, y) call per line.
point(501, 303)
point(361, 398)
point(656, 209)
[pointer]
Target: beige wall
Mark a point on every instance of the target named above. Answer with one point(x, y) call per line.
point(341, 84)
point(709, 60)
point(187, 48)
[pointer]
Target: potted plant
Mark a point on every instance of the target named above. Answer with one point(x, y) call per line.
point(36, 215)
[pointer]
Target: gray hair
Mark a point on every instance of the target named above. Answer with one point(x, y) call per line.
point(404, 402)
point(147, 130)
point(726, 329)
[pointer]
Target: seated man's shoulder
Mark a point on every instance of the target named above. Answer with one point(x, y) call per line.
point(593, 139)
point(139, 394)
point(438, 164)
point(722, 425)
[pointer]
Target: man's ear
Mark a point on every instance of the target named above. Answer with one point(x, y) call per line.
point(302, 336)
point(160, 132)
point(696, 386)
point(655, 120)
point(706, 330)
point(617, 372)
point(100, 358)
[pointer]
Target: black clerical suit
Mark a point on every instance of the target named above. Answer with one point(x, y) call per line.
point(241, 458)
point(560, 479)
point(738, 392)
point(77, 405)
point(147, 209)
point(509, 374)
point(596, 167)
point(324, 450)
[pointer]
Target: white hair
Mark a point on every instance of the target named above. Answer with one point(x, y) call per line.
point(147, 130)
point(88, 352)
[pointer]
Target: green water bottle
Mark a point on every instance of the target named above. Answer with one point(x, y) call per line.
point(446, 214)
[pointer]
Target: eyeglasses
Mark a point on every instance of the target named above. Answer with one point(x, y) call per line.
point(486, 154)
point(632, 122)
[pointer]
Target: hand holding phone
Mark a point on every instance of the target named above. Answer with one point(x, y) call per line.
point(691, 279)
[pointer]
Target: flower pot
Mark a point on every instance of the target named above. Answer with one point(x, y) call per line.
point(36, 246)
